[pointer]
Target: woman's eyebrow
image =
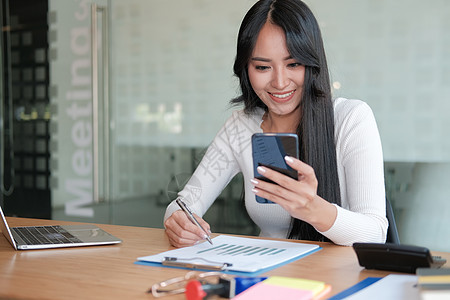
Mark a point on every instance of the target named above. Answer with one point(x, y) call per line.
point(261, 59)
point(267, 59)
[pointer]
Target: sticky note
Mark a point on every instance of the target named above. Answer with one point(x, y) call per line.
point(286, 288)
point(262, 291)
point(305, 284)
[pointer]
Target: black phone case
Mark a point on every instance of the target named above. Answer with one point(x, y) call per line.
point(269, 150)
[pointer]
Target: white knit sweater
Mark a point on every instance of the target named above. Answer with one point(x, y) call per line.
point(362, 215)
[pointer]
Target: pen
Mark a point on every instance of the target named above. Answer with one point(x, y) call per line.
point(191, 217)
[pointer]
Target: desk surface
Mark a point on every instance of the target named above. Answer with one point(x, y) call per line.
point(109, 271)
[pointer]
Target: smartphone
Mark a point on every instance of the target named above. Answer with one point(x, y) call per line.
point(269, 150)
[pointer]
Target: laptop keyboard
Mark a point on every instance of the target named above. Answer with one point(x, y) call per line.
point(42, 235)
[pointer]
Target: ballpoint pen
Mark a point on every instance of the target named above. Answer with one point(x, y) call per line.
point(191, 217)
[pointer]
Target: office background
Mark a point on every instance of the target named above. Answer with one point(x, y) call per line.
point(160, 79)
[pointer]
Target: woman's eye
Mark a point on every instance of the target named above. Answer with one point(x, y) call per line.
point(261, 68)
point(294, 65)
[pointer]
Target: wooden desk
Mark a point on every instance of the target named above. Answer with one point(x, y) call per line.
point(109, 271)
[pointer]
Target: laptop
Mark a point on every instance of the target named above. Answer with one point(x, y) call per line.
point(56, 236)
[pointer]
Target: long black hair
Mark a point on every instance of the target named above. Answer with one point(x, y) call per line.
point(316, 128)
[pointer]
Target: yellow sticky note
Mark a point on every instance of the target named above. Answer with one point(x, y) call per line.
point(297, 283)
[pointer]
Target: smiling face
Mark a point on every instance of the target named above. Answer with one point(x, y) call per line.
point(275, 76)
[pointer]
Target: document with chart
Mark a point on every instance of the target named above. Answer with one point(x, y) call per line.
point(230, 253)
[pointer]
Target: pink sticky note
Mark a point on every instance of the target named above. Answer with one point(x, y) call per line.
point(263, 291)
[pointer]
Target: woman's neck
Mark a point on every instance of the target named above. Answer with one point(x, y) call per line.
point(280, 123)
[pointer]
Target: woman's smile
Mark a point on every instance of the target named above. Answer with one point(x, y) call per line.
point(282, 97)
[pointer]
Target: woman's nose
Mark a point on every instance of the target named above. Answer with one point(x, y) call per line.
point(280, 79)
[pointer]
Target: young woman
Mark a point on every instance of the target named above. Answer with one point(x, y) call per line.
point(285, 86)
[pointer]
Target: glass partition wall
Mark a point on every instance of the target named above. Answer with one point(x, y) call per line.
point(113, 104)
point(107, 106)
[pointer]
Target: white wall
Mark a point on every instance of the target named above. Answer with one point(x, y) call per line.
point(395, 56)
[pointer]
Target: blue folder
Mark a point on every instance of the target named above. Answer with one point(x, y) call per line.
point(237, 273)
point(355, 288)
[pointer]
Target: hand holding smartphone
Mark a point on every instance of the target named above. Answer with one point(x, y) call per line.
point(269, 150)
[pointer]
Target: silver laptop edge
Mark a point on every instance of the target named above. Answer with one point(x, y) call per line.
point(96, 236)
point(5, 230)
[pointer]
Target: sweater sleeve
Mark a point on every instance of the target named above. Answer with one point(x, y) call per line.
point(362, 214)
point(216, 169)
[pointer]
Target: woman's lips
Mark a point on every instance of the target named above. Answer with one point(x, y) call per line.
point(282, 97)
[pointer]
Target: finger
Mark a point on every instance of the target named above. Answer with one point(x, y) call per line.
point(180, 237)
point(288, 189)
point(278, 178)
point(192, 227)
point(178, 241)
point(305, 171)
point(274, 192)
point(284, 188)
point(182, 227)
point(203, 223)
point(295, 204)
point(186, 224)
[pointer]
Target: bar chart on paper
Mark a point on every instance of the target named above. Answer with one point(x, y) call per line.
point(234, 250)
point(239, 254)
